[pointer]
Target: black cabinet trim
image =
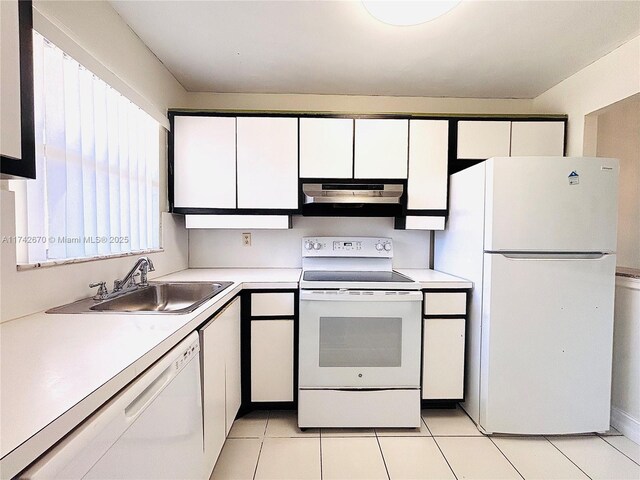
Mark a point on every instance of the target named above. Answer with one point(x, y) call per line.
point(245, 339)
point(355, 116)
point(24, 167)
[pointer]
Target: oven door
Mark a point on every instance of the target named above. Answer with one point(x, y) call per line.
point(360, 339)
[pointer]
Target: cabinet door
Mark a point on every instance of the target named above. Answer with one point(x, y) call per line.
point(10, 133)
point(326, 148)
point(204, 162)
point(268, 162)
point(272, 360)
point(537, 139)
point(381, 148)
point(233, 390)
point(443, 358)
point(428, 158)
point(483, 139)
point(17, 134)
point(213, 388)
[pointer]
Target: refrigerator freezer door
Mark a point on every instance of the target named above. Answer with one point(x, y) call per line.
point(547, 334)
point(551, 204)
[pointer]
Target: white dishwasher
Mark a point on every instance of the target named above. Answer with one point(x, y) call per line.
point(151, 430)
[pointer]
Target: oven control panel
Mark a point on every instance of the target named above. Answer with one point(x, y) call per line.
point(370, 247)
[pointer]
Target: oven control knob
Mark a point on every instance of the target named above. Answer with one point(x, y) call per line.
point(317, 246)
point(387, 247)
point(379, 247)
point(308, 245)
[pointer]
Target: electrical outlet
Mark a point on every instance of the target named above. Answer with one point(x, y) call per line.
point(246, 239)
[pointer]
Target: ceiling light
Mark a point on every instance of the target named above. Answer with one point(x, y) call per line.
point(409, 12)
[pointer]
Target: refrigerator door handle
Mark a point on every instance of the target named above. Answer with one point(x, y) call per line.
point(553, 256)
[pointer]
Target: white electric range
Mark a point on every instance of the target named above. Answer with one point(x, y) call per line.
point(360, 336)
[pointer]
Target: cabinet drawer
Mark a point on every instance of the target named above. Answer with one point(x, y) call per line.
point(454, 303)
point(267, 304)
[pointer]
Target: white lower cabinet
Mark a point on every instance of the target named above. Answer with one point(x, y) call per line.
point(443, 358)
point(230, 319)
point(272, 360)
point(213, 392)
point(221, 386)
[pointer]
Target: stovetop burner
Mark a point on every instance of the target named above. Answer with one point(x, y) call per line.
point(348, 276)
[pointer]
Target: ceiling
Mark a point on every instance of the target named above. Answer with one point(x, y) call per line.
point(486, 49)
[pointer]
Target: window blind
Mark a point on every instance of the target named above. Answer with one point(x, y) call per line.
point(97, 163)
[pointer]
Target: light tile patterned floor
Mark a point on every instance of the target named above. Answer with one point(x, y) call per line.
point(269, 445)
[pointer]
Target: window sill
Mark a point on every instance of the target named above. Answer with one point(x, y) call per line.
point(68, 261)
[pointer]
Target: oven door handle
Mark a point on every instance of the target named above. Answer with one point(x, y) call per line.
point(360, 296)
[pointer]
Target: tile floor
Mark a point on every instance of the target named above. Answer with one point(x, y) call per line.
point(269, 445)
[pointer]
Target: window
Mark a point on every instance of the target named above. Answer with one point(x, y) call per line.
point(97, 161)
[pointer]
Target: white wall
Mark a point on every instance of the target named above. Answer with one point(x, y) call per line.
point(93, 31)
point(615, 132)
point(618, 136)
point(283, 248)
point(95, 35)
point(352, 103)
point(610, 79)
point(625, 392)
point(30, 291)
point(587, 97)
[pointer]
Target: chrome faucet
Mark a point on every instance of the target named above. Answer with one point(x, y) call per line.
point(145, 265)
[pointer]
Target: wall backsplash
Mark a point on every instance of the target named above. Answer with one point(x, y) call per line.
point(282, 248)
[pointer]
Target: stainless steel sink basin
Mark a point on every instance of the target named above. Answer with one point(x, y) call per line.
point(157, 297)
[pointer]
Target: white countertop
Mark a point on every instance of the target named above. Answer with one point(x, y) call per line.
point(57, 369)
point(434, 279)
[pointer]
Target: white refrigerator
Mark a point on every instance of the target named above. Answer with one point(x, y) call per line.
point(537, 236)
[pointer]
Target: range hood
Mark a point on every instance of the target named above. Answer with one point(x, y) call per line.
point(353, 199)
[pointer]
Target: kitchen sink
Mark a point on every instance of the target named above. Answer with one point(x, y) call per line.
point(157, 297)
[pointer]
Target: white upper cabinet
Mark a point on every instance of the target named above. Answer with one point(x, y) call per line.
point(481, 139)
point(537, 139)
point(428, 159)
point(10, 133)
point(17, 122)
point(326, 147)
point(381, 148)
point(204, 162)
point(267, 162)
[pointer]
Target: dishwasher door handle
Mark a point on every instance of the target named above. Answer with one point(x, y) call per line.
point(138, 404)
